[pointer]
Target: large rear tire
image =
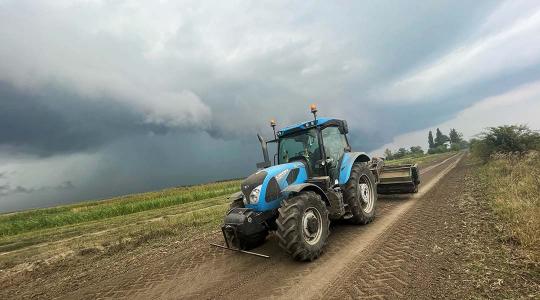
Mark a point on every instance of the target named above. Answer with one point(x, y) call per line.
point(360, 193)
point(303, 226)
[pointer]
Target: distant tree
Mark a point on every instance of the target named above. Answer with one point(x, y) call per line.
point(388, 154)
point(430, 140)
point(440, 138)
point(416, 150)
point(455, 137)
point(438, 149)
point(402, 152)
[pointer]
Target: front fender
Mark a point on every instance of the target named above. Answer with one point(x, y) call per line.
point(349, 158)
point(297, 188)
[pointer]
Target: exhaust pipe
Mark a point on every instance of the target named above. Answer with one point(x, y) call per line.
point(266, 163)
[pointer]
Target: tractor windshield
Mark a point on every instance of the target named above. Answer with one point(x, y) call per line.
point(300, 146)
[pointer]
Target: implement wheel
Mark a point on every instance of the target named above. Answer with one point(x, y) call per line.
point(360, 193)
point(303, 226)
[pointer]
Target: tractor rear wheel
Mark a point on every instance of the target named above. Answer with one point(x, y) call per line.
point(303, 226)
point(360, 193)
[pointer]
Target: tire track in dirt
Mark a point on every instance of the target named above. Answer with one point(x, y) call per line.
point(384, 272)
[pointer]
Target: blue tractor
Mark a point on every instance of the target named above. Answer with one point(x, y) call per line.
point(316, 178)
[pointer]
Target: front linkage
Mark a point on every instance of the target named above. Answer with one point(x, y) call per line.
point(244, 229)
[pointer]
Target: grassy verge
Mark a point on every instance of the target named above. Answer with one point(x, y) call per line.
point(513, 187)
point(39, 219)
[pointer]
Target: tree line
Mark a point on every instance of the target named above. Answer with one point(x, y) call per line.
point(439, 144)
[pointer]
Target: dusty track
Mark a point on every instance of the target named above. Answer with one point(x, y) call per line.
point(199, 271)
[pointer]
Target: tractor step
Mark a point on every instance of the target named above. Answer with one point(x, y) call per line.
point(347, 215)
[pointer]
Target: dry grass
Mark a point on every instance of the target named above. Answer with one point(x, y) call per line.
point(513, 185)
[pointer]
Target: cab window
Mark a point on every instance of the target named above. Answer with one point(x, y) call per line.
point(334, 147)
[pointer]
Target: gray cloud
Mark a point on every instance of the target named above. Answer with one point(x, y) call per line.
point(146, 95)
point(7, 189)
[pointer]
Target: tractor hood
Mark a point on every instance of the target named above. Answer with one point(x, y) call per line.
point(262, 190)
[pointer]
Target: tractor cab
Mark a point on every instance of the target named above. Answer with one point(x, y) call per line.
point(319, 144)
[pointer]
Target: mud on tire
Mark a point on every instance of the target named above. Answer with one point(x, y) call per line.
point(303, 226)
point(361, 185)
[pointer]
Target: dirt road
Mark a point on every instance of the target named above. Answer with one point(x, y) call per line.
point(439, 243)
point(371, 261)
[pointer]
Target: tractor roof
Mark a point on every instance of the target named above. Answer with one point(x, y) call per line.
point(310, 124)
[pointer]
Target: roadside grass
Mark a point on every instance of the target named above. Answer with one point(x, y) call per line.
point(114, 235)
point(513, 186)
point(424, 159)
point(39, 219)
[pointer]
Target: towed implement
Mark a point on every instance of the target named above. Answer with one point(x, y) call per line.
point(395, 179)
point(316, 178)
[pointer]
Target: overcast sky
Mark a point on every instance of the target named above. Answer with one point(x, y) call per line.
point(101, 98)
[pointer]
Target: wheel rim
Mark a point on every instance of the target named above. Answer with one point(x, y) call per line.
point(367, 198)
point(312, 225)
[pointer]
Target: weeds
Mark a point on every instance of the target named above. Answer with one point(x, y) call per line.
point(513, 185)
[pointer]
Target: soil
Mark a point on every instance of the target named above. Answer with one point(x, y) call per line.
point(439, 243)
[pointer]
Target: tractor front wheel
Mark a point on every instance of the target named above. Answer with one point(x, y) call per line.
point(303, 226)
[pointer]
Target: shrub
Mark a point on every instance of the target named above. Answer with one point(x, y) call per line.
point(513, 182)
point(505, 139)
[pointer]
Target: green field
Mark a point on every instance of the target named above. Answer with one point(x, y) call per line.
point(15, 223)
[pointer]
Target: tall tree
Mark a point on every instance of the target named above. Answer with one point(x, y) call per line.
point(388, 154)
point(455, 137)
point(440, 138)
point(430, 140)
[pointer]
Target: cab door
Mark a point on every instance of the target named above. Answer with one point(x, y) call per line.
point(335, 144)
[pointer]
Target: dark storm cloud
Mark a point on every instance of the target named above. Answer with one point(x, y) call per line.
point(7, 189)
point(255, 63)
point(121, 96)
point(53, 122)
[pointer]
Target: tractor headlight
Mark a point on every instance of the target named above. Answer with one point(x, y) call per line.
point(254, 196)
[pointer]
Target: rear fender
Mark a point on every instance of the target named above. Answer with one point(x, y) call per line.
point(349, 158)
